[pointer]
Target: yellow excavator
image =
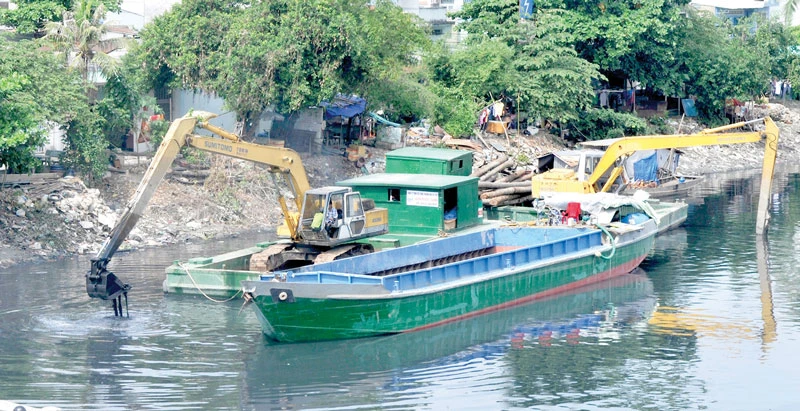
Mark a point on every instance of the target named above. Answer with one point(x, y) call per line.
point(327, 224)
point(603, 176)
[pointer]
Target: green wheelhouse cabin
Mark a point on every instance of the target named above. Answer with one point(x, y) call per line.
point(422, 204)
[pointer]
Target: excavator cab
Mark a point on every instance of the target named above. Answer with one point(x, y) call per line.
point(335, 215)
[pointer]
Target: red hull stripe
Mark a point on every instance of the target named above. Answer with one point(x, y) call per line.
point(616, 271)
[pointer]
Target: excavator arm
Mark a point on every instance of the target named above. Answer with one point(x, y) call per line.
point(103, 284)
point(623, 147)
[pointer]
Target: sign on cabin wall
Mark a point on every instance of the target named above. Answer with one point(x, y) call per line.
point(422, 198)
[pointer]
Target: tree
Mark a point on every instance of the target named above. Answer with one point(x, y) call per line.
point(558, 84)
point(720, 61)
point(35, 90)
point(534, 62)
point(20, 133)
point(80, 36)
point(30, 16)
point(278, 54)
point(634, 39)
point(789, 8)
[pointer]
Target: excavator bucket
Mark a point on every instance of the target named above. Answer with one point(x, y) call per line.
point(103, 284)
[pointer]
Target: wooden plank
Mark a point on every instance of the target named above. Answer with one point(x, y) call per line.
point(27, 179)
point(455, 142)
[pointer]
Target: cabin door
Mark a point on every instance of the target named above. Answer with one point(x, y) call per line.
point(354, 214)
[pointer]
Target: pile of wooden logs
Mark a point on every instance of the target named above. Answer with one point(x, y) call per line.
point(502, 182)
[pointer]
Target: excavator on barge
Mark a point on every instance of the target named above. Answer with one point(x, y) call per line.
point(327, 224)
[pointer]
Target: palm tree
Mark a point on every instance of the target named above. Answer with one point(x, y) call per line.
point(788, 11)
point(81, 36)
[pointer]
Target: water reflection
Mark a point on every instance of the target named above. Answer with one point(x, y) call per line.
point(769, 332)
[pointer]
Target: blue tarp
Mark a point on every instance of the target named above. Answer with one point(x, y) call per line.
point(382, 120)
point(689, 108)
point(646, 169)
point(344, 106)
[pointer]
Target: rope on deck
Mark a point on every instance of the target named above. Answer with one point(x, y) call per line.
point(202, 292)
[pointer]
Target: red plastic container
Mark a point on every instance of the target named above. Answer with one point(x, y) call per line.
point(574, 211)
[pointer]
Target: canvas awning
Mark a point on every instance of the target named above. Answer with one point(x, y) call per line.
point(344, 106)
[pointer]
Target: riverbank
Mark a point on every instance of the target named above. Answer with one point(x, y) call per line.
point(211, 197)
point(718, 159)
point(64, 217)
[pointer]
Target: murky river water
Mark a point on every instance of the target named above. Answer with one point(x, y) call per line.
point(712, 322)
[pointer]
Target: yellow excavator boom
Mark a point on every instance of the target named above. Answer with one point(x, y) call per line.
point(100, 283)
point(626, 146)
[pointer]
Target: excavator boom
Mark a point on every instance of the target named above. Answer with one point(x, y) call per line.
point(101, 283)
point(610, 165)
point(625, 146)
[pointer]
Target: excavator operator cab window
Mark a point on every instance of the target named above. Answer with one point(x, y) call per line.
point(314, 203)
point(336, 202)
point(354, 205)
point(313, 211)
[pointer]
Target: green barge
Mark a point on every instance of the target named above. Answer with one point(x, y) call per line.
point(443, 280)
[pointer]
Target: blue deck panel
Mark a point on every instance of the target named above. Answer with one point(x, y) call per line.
point(559, 243)
point(403, 256)
point(326, 277)
point(526, 236)
point(494, 262)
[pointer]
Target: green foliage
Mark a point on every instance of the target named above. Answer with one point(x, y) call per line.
point(454, 110)
point(86, 145)
point(465, 79)
point(634, 38)
point(38, 92)
point(532, 61)
point(660, 126)
point(279, 53)
point(722, 61)
point(31, 15)
point(158, 129)
point(558, 84)
point(80, 37)
point(600, 124)
point(482, 68)
point(405, 99)
point(19, 128)
point(193, 156)
point(118, 107)
point(490, 19)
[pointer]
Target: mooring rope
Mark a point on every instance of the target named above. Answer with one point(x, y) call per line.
point(610, 238)
point(202, 292)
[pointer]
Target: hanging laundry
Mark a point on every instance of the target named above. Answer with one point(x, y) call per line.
point(497, 109)
point(483, 118)
point(604, 98)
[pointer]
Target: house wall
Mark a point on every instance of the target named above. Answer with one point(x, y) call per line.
point(185, 100)
point(55, 139)
point(126, 18)
point(308, 122)
point(736, 9)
